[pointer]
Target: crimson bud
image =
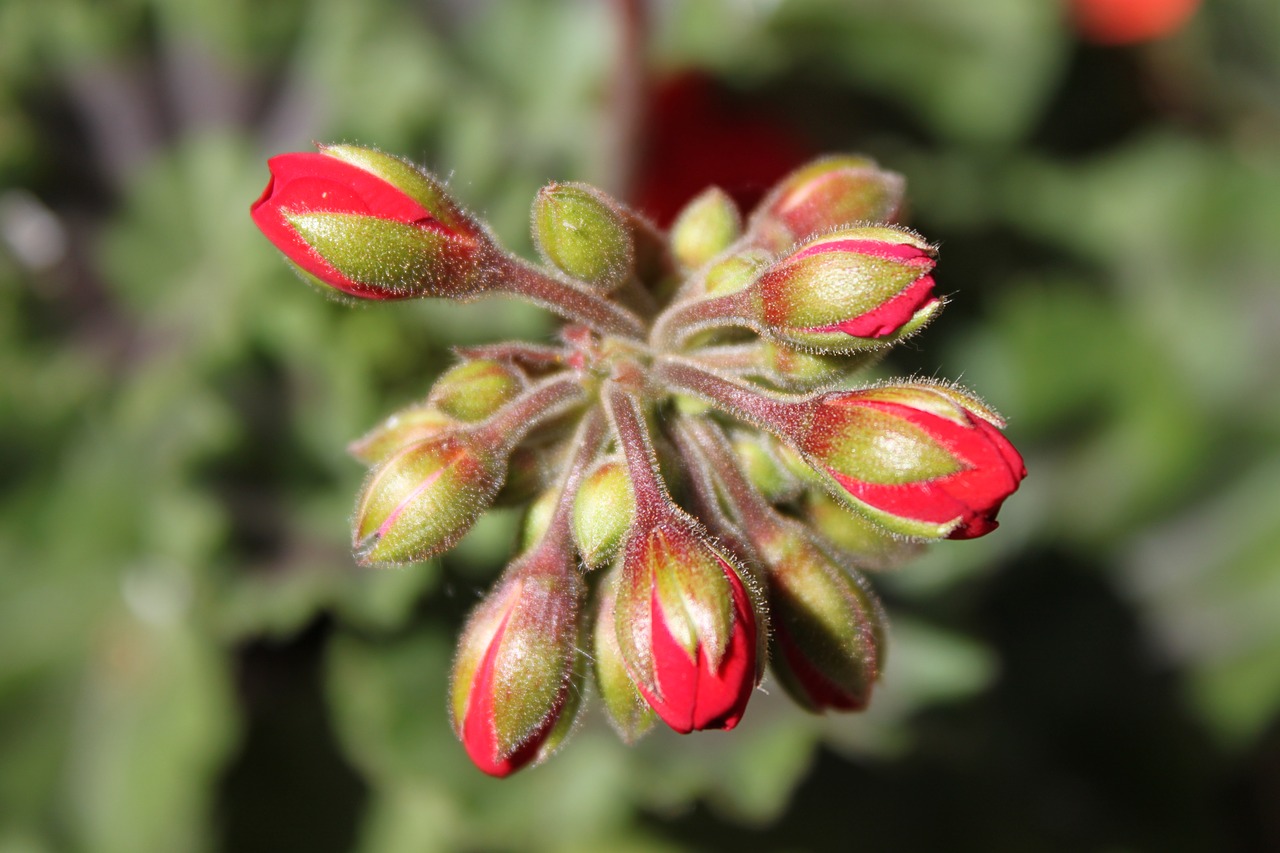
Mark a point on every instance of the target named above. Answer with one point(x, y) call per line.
point(854, 289)
point(686, 625)
point(516, 679)
point(369, 224)
point(921, 460)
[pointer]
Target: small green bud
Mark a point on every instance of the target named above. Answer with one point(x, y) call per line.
point(797, 370)
point(735, 273)
point(423, 498)
point(537, 518)
point(602, 512)
point(706, 227)
point(407, 426)
point(582, 232)
point(626, 709)
point(759, 461)
point(868, 544)
point(474, 390)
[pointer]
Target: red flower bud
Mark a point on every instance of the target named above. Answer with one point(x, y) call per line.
point(368, 224)
point(920, 460)
point(515, 680)
point(828, 626)
point(849, 290)
point(686, 626)
point(831, 192)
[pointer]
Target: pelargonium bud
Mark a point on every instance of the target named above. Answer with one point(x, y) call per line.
point(705, 227)
point(515, 681)
point(584, 233)
point(866, 543)
point(369, 224)
point(829, 193)
point(423, 498)
point(920, 460)
point(602, 512)
point(735, 272)
point(475, 389)
point(798, 370)
point(849, 290)
point(757, 456)
point(828, 627)
point(686, 625)
point(408, 426)
point(626, 709)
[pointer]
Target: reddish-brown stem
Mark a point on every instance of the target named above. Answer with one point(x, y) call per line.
point(629, 425)
point(628, 93)
point(513, 421)
point(674, 326)
point(518, 278)
point(586, 445)
point(786, 416)
point(746, 501)
point(530, 355)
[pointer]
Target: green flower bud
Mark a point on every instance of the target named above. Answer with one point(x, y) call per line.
point(584, 233)
point(474, 390)
point(706, 227)
point(423, 498)
point(828, 627)
point(602, 512)
point(868, 544)
point(759, 461)
point(735, 272)
point(629, 714)
point(407, 426)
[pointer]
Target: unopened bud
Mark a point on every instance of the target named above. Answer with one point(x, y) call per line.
point(706, 227)
point(829, 193)
point(854, 289)
point(370, 225)
point(919, 460)
point(408, 426)
point(735, 272)
point(626, 709)
point(423, 498)
point(602, 512)
point(515, 684)
point(828, 627)
point(584, 233)
point(798, 370)
point(759, 461)
point(866, 543)
point(475, 389)
point(686, 625)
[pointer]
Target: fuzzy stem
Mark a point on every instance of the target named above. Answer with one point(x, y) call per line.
point(682, 319)
point(744, 498)
point(519, 278)
point(737, 359)
point(637, 448)
point(698, 470)
point(531, 355)
point(509, 425)
point(785, 416)
point(586, 443)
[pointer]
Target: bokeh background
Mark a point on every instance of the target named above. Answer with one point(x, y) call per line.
point(190, 661)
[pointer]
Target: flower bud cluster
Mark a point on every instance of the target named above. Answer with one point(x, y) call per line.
point(708, 484)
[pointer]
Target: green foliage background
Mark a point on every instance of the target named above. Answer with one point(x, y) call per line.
point(189, 660)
